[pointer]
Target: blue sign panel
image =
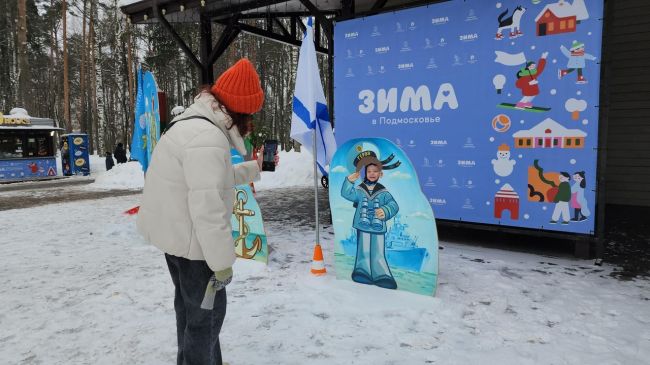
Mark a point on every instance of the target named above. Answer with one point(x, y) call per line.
point(27, 168)
point(74, 154)
point(495, 102)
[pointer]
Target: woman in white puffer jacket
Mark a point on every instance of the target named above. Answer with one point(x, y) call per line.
point(187, 204)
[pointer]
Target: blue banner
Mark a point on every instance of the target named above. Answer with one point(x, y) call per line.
point(28, 168)
point(495, 102)
point(146, 130)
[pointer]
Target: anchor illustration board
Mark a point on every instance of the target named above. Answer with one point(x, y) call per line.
point(247, 224)
point(385, 230)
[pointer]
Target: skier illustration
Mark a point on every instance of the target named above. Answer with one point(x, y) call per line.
point(527, 81)
point(374, 207)
point(577, 61)
point(578, 201)
point(513, 23)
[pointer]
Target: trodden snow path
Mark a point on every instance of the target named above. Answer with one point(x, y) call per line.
point(79, 286)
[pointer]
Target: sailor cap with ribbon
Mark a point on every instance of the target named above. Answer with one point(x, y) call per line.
point(368, 154)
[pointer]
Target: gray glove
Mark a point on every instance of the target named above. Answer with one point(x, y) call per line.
point(218, 281)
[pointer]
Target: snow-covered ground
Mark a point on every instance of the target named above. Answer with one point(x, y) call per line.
point(295, 169)
point(79, 286)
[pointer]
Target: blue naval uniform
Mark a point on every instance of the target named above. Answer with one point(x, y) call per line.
point(370, 266)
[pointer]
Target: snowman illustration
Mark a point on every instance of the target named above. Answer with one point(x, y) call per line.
point(503, 165)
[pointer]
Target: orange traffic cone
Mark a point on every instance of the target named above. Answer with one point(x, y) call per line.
point(318, 265)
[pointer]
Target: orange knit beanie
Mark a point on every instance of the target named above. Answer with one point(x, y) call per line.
point(238, 88)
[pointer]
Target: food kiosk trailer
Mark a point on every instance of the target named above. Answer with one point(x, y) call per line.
point(27, 150)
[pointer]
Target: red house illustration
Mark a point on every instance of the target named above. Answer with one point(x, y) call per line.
point(506, 199)
point(560, 17)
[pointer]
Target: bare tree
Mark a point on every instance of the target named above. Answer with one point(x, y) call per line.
point(66, 82)
point(23, 63)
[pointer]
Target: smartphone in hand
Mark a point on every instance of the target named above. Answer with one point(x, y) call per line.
point(268, 160)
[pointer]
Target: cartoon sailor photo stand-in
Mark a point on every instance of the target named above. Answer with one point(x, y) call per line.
point(374, 207)
point(389, 240)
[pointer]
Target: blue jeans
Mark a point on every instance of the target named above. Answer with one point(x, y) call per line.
point(197, 329)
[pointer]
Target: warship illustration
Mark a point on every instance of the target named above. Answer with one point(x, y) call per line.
point(402, 250)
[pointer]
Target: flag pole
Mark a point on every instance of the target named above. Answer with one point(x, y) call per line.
point(316, 187)
point(317, 264)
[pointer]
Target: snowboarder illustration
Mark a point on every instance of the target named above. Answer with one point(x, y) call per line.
point(577, 61)
point(578, 201)
point(527, 81)
point(374, 207)
point(513, 23)
point(503, 165)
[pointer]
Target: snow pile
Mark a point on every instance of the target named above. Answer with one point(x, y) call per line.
point(93, 292)
point(18, 113)
point(295, 169)
point(122, 176)
point(97, 164)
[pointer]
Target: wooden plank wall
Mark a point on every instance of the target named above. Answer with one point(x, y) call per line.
point(626, 84)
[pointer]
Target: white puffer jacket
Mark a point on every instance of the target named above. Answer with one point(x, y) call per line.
point(188, 192)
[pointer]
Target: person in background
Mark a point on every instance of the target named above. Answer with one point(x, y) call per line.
point(120, 153)
point(187, 205)
point(109, 161)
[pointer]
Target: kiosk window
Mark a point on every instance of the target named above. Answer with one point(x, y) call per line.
point(43, 149)
point(11, 146)
point(30, 147)
point(20, 145)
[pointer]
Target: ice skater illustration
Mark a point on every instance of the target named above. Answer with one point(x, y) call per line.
point(577, 61)
point(374, 207)
point(513, 23)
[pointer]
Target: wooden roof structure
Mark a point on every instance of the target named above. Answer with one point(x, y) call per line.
point(232, 15)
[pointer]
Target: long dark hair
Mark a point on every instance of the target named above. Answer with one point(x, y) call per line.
point(583, 183)
point(243, 122)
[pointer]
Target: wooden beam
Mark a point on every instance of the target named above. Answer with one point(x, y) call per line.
point(177, 38)
point(379, 4)
point(226, 39)
point(282, 27)
point(284, 14)
point(326, 23)
point(205, 44)
point(237, 9)
point(276, 37)
point(348, 8)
